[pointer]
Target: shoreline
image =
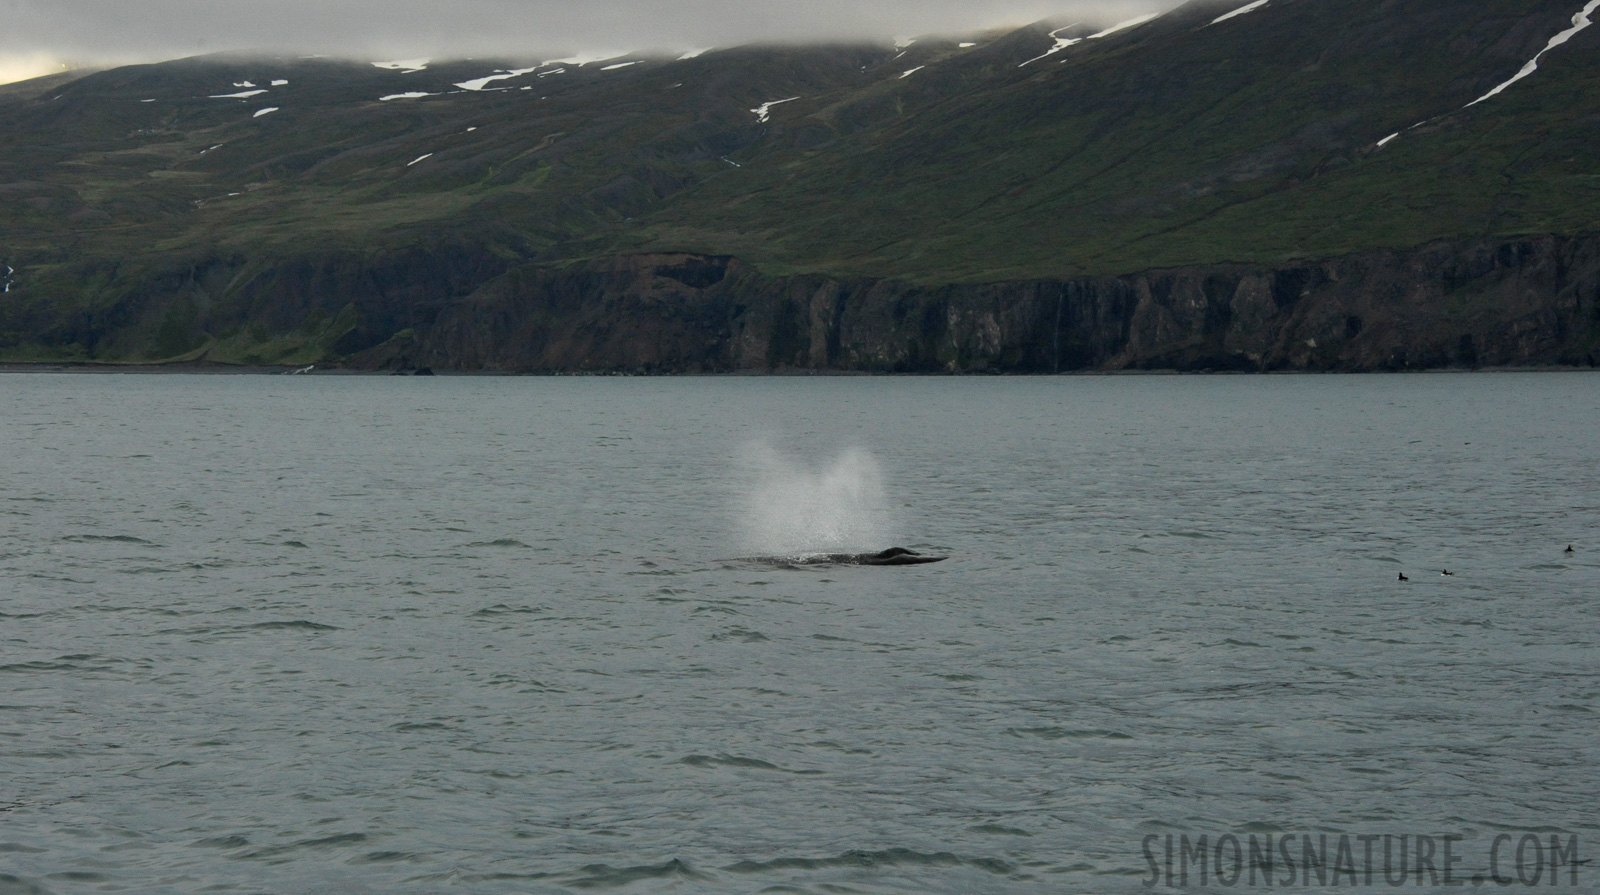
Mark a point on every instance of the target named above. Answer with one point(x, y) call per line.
point(210, 369)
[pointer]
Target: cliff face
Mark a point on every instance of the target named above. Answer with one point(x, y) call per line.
point(1531, 302)
point(148, 221)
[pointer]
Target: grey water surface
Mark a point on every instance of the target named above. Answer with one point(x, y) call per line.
point(349, 634)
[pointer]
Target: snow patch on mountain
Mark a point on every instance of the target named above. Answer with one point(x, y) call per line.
point(764, 111)
point(418, 159)
point(1124, 26)
point(501, 75)
point(1251, 7)
point(405, 65)
point(241, 95)
point(619, 65)
point(1061, 44)
point(911, 71)
point(267, 111)
point(415, 94)
point(1580, 21)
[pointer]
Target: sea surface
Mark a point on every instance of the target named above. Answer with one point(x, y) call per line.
point(403, 635)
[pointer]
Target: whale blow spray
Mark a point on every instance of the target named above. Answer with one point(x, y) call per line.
point(789, 509)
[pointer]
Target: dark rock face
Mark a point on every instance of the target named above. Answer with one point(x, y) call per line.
point(1533, 302)
point(1528, 302)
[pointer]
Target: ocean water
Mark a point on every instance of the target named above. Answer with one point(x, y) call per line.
point(349, 634)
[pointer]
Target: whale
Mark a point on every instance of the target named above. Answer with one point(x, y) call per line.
point(894, 556)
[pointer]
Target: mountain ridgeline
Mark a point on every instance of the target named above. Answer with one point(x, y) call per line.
point(1305, 185)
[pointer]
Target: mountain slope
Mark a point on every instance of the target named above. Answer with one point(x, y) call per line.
point(1183, 142)
point(291, 210)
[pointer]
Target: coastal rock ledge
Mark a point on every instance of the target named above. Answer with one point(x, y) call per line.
point(1532, 302)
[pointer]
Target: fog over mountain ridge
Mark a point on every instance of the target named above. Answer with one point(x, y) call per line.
point(45, 34)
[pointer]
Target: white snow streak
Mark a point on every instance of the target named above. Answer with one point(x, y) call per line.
point(620, 65)
point(764, 111)
point(418, 159)
point(1389, 139)
point(243, 84)
point(244, 95)
point(406, 65)
point(1579, 22)
point(267, 111)
point(280, 83)
point(697, 51)
point(412, 95)
point(1241, 11)
point(911, 71)
point(1124, 26)
point(480, 83)
point(967, 45)
point(1061, 44)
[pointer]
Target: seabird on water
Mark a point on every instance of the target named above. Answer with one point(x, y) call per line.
point(1403, 577)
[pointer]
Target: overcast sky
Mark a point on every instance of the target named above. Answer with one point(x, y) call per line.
point(37, 34)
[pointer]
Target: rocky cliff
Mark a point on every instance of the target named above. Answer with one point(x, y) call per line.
point(1127, 200)
point(1533, 302)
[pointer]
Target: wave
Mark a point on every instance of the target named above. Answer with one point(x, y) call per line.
point(891, 857)
point(739, 761)
point(604, 876)
point(320, 843)
point(108, 539)
point(1063, 733)
point(497, 542)
point(296, 625)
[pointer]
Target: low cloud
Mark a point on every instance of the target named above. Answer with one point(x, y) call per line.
point(22, 66)
point(121, 31)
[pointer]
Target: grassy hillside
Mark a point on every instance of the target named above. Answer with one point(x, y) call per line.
point(1182, 142)
point(1178, 142)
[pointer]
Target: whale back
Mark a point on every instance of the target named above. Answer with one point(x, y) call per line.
point(899, 556)
point(894, 556)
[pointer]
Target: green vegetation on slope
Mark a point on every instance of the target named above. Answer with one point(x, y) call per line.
point(1192, 144)
point(1176, 143)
